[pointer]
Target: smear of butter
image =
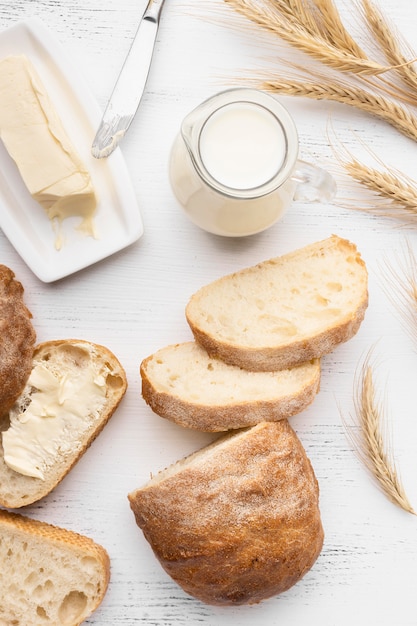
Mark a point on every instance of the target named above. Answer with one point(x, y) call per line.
point(61, 409)
point(35, 138)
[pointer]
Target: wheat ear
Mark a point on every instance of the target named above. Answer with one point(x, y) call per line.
point(396, 115)
point(335, 30)
point(389, 41)
point(295, 33)
point(397, 190)
point(369, 440)
point(401, 289)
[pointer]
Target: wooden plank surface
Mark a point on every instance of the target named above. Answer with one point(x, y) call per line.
point(134, 303)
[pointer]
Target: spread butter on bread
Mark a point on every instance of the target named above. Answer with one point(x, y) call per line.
point(238, 521)
point(284, 311)
point(48, 575)
point(184, 384)
point(73, 389)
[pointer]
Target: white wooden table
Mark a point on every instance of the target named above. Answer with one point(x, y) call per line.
point(133, 302)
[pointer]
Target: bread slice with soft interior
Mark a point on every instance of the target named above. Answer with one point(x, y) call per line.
point(238, 521)
point(74, 388)
point(184, 384)
point(284, 311)
point(48, 575)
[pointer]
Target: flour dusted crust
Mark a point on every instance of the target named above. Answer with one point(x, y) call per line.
point(48, 574)
point(284, 311)
point(17, 490)
point(238, 521)
point(185, 385)
point(17, 339)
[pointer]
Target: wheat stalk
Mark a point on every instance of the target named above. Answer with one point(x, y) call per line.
point(397, 191)
point(390, 43)
point(336, 31)
point(370, 439)
point(401, 289)
point(315, 28)
point(396, 115)
point(284, 24)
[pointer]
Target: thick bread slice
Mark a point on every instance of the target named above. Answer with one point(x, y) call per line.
point(237, 521)
point(185, 385)
point(284, 311)
point(69, 363)
point(48, 575)
point(17, 339)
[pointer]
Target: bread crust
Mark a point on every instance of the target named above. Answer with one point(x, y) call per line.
point(197, 414)
point(17, 490)
point(17, 339)
point(240, 521)
point(268, 359)
point(275, 353)
point(48, 539)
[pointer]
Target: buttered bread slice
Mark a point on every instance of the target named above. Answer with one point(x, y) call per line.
point(74, 388)
point(284, 311)
point(185, 385)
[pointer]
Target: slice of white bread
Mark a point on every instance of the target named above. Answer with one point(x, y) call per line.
point(48, 575)
point(284, 311)
point(185, 385)
point(73, 378)
point(237, 521)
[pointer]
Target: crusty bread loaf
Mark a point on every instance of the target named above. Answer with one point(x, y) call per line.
point(185, 385)
point(48, 575)
point(17, 339)
point(284, 311)
point(237, 521)
point(76, 378)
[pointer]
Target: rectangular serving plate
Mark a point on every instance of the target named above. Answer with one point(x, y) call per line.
point(118, 221)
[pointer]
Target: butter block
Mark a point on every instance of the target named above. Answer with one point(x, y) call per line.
point(36, 140)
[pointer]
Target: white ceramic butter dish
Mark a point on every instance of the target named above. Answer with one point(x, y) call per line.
point(118, 222)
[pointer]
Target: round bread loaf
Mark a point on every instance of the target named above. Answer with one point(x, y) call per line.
point(237, 521)
point(17, 340)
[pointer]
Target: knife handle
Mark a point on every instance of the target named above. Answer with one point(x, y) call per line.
point(153, 10)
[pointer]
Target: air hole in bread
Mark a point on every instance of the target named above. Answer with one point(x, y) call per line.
point(321, 300)
point(40, 612)
point(89, 563)
point(72, 608)
point(331, 286)
point(42, 592)
point(114, 382)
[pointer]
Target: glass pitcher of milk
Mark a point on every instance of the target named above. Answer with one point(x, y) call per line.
point(234, 165)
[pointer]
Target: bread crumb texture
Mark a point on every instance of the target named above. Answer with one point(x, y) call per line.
point(49, 576)
point(184, 384)
point(285, 310)
point(68, 361)
point(237, 521)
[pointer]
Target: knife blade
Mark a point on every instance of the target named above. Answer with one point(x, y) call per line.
point(130, 85)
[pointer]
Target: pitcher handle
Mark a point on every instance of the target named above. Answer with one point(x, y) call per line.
point(314, 184)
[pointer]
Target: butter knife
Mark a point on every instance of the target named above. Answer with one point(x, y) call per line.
point(130, 85)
